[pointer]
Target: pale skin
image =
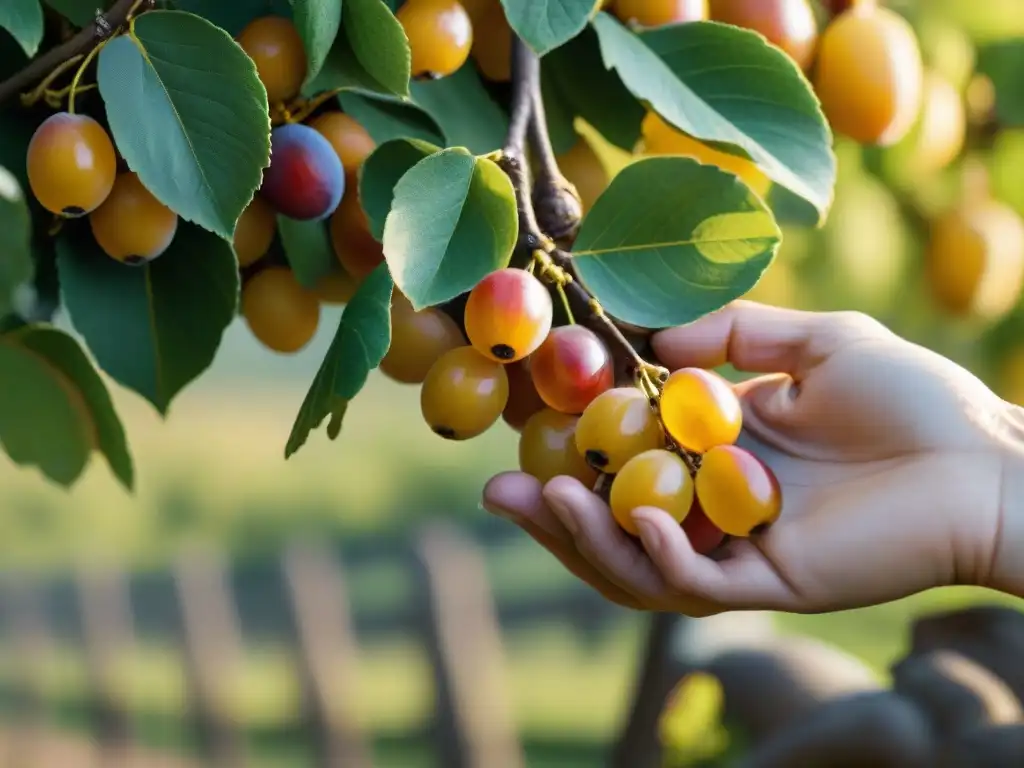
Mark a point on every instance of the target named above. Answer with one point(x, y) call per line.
point(900, 471)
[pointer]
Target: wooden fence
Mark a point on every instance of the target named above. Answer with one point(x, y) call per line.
point(455, 618)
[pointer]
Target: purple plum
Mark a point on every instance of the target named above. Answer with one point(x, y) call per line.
point(306, 179)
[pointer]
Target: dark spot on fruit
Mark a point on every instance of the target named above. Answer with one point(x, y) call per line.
point(446, 432)
point(135, 260)
point(503, 352)
point(597, 459)
point(73, 212)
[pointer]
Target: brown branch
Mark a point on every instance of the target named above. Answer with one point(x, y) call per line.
point(103, 27)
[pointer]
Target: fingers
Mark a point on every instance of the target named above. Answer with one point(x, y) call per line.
point(758, 338)
point(518, 497)
point(743, 580)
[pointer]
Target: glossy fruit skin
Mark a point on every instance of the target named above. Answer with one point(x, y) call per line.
point(132, 226)
point(789, 24)
point(661, 138)
point(254, 231)
point(975, 260)
point(705, 537)
point(869, 75)
point(349, 139)
point(618, 425)
point(337, 287)
point(655, 478)
point(305, 180)
point(737, 491)
point(700, 410)
point(71, 164)
point(355, 247)
point(463, 394)
point(508, 315)
point(942, 127)
point(281, 314)
point(656, 13)
point(418, 339)
point(571, 368)
point(440, 36)
point(274, 45)
point(492, 42)
point(584, 170)
point(523, 400)
point(547, 448)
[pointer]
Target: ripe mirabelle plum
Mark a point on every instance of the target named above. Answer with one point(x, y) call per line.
point(655, 478)
point(354, 246)
point(705, 537)
point(975, 259)
point(418, 339)
point(618, 425)
point(869, 75)
point(463, 394)
point(336, 287)
point(508, 315)
point(492, 42)
point(737, 491)
point(656, 13)
point(584, 170)
point(547, 448)
point(941, 130)
point(305, 179)
point(254, 231)
point(281, 314)
point(71, 164)
point(132, 226)
point(440, 36)
point(349, 139)
point(571, 368)
point(523, 400)
point(276, 48)
point(661, 138)
point(789, 24)
point(700, 410)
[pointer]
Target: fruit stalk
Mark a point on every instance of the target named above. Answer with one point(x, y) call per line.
point(102, 28)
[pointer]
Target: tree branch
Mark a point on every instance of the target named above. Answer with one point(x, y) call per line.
point(103, 27)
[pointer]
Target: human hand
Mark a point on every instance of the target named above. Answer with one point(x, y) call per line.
point(891, 460)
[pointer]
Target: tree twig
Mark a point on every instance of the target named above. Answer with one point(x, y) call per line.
point(103, 27)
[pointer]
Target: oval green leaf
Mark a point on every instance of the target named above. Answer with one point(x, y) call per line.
point(386, 118)
point(15, 239)
point(66, 356)
point(453, 221)
point(371, 52)
point(318, 22)
point(231, 16)
point(546, 24)
point(156, 327)
point(464, 110)
point(81, 13)
point(359, 344)
point(381, 171)
point(307, 246)
point(672, 240)
point(189, 115)
point(24, 20)
point(728, 86)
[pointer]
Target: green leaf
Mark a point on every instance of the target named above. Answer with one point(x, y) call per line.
point(452, 222)
point(360, 343)
point(546, 24)
point(386, 118)
point(371, 53)
point(1002, 63)
point(381, 171)
point(15, 239)
point(24, 20)
point(234, 15)
point(189, 115)
point(156, 327)
point(465, 111)
point(727, 86)
point(318, 22)
point(65, 355)
point(81, 13)
point(307, 246)
point(576, 78)
point(671, 240)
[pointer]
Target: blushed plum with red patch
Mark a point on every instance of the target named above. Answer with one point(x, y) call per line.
point(305, 180)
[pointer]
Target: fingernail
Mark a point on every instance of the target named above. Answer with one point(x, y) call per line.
point(649, 534)
point(565, 515)
point(501, 512)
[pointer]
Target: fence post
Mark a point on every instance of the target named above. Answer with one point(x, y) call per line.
point(328, 655)
point(213, 650)
point(458, 621)
point(107, 633)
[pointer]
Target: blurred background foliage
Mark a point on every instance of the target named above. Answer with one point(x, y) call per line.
point(214, 474)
